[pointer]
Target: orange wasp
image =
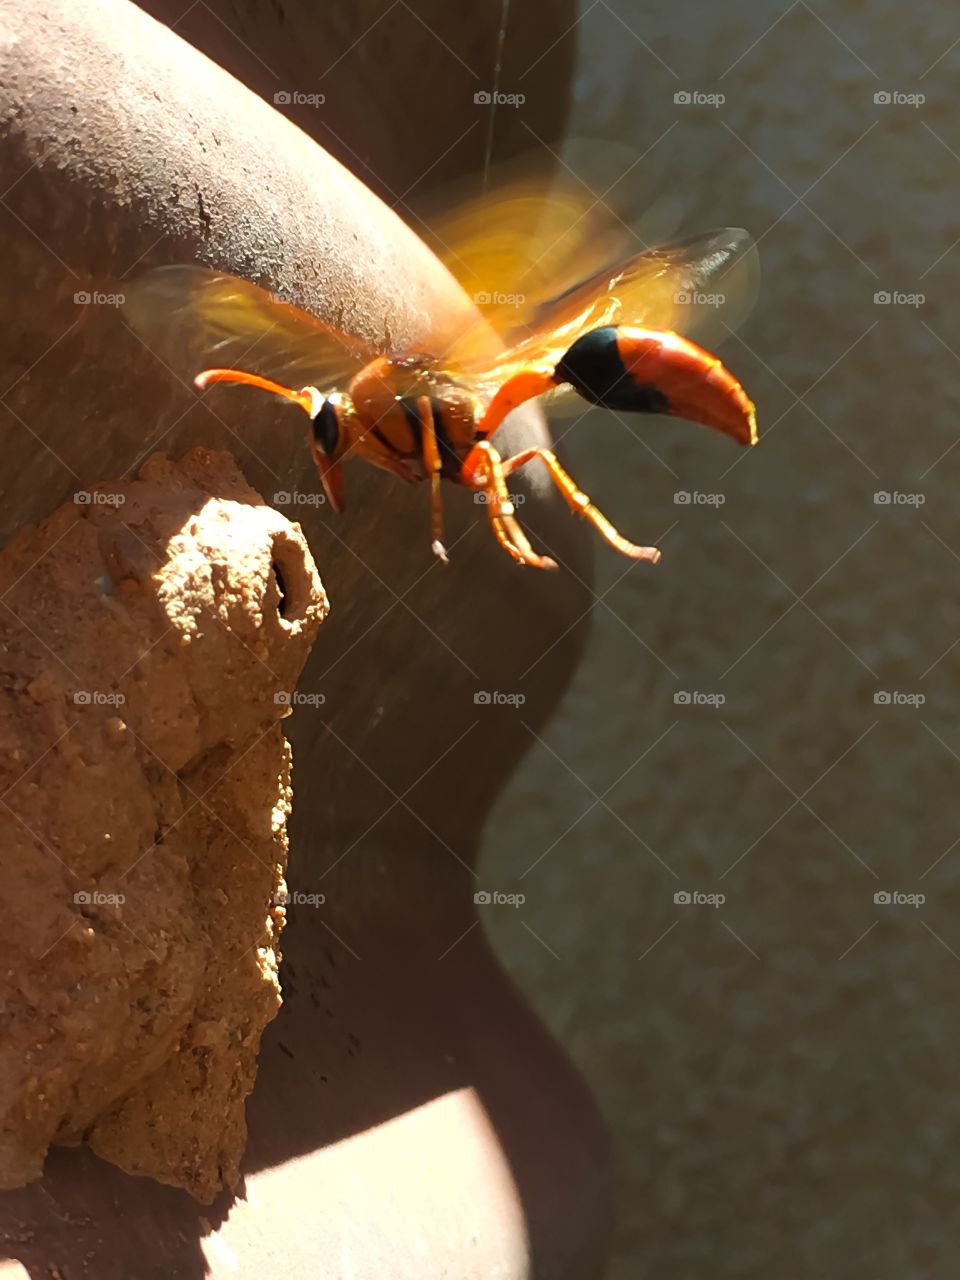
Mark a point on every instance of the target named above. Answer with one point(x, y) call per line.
point(611, 339)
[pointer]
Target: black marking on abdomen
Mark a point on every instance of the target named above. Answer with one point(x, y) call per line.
point(593, 367)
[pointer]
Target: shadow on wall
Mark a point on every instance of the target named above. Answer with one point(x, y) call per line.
point(771, 715)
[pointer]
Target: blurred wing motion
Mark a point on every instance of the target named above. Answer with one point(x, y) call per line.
point(523, 243)
point(218, 319)
point(701, 288)
point(552, 250)
point(536, 232)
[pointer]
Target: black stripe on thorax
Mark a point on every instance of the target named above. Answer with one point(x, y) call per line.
point(412, 415)
point(446, 447)
point(387, 444)
point(449, 454)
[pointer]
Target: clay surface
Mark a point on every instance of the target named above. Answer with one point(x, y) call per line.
point(152, 633)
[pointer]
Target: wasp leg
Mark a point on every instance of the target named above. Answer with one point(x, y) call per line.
point(483, 470)
point(433, 465)
point(579, 503)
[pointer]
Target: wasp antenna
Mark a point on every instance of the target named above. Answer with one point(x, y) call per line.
point(209, 376)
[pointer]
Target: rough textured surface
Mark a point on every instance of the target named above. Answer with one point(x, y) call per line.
point(151, 636)
point(342, 74)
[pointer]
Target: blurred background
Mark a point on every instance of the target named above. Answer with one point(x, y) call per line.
point(776, 1070)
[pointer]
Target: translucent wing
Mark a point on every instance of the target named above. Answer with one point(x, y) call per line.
point(193, 318)
point(702, 288)
point(546, 223)
point(522, 243)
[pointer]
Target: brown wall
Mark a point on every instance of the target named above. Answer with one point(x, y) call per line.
point(778, 1072)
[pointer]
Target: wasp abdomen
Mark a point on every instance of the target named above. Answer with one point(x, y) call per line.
point(653, 371)
point(595, 368)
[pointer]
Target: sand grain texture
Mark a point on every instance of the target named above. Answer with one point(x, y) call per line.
point(147, 633)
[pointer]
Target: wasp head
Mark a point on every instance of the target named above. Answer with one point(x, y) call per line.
point(329, 415)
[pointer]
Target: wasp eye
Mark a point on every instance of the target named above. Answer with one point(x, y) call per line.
point(326, 428)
